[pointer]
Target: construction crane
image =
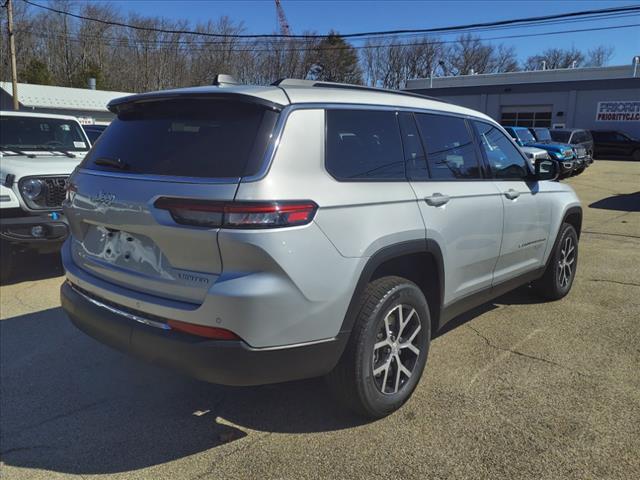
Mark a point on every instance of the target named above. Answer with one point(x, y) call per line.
point(282, 19)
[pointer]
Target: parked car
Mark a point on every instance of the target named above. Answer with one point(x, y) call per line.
point(615, 144)
point(561, 153)
point(581, 141)
point(581, 159)
point(249, 235)
point(94, 131)
point(38, 152)
point(533, 154)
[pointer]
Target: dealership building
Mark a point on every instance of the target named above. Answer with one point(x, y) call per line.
point(599, 98)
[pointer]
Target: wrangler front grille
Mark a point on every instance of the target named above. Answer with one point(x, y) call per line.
point(55, 191)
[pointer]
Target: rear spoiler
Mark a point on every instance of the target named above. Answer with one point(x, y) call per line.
point(118, 104)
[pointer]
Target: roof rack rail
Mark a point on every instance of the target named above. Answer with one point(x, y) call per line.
point(295, 82)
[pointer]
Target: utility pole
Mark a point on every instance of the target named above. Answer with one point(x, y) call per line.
point(12, 53)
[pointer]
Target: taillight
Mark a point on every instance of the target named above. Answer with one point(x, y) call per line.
point(203, 331)
point(207, 213)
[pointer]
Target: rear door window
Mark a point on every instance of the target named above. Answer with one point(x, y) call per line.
point(363, 145)
point(451, 153)
point(186, 138)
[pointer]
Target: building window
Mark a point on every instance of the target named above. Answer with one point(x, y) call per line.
point(526, 118)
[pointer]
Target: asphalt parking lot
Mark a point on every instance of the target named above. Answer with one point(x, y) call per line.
point(514, 389)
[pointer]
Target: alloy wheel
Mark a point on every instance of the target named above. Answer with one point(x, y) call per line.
point(396, 351)
point(566, 263)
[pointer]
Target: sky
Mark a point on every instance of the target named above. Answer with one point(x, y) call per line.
point(259, 16)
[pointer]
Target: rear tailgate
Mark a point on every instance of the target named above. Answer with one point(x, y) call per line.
point(179, 148)
point(118, 235)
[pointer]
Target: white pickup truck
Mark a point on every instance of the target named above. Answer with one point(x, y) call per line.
point(38, 152)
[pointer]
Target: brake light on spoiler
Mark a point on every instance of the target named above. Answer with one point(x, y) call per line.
point(215, 214)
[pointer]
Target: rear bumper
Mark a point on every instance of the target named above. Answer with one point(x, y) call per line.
point(223, 362)
point(18, 230)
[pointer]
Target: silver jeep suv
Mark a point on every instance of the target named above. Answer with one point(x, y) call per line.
point(249, 235)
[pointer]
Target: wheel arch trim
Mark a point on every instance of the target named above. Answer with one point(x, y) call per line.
point(385, 254)
point(574, 210)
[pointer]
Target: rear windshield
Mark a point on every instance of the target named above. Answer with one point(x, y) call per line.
point(35, 133)
point(560, 135)
point(185, 137)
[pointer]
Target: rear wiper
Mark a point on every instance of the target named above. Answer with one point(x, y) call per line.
point(111, 162)
point(54, 150)
point(19, 152)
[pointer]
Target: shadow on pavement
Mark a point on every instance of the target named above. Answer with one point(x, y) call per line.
point(31, 266)
point(628, 202)
point(72, 405)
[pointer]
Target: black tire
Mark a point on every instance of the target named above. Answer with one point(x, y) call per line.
point(353, 381)
point(636, 155)
point(561, 269)
point(6, 261)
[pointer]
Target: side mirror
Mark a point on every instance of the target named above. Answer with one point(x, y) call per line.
point(546, 169)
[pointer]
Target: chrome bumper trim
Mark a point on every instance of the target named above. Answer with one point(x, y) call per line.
point(130, 316)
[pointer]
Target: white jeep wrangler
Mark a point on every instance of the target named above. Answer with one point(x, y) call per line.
point(38, 152)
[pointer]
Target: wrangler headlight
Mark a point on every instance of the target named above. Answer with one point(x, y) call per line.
point(32, 188)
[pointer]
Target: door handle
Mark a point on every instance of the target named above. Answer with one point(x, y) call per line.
point(512, 194)
point(437, 199)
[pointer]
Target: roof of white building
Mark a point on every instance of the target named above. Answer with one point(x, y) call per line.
point(47, 96)
point(531, 76)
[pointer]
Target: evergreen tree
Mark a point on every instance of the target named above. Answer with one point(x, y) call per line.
point(335, 61)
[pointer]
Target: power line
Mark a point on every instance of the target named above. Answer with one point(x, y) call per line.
point(245, 42)
point(125, 41)
point(629, 8)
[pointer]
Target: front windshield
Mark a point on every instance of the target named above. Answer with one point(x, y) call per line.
point(543, 134)
point(46, 134)
point(525, 136)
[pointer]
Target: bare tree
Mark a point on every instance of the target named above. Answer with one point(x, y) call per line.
point(504, 59)
point(554, 58)
point(469, 54)
point(599, 56)
point(389, 63)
